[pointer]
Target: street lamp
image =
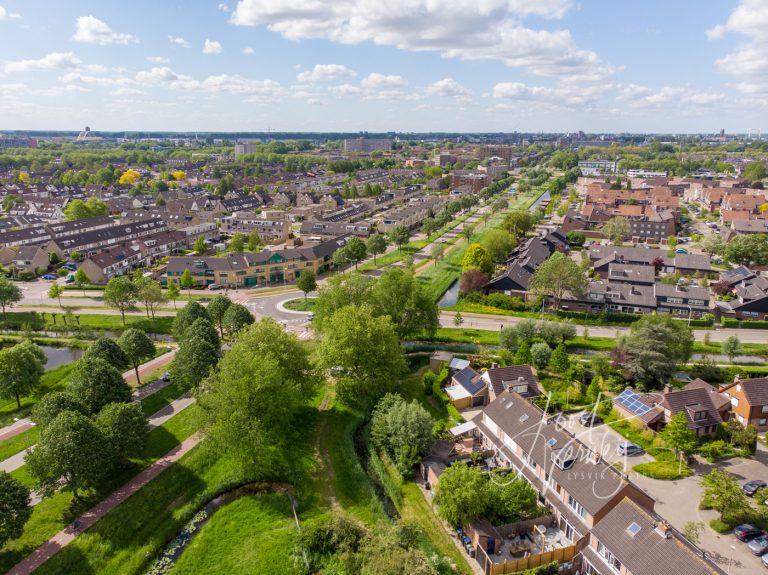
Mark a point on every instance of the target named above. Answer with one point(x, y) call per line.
point(730, 561)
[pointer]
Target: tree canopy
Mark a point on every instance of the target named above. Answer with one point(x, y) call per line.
point(95, 383)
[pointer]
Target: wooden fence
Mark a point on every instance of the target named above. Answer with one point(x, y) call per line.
point(561, 555)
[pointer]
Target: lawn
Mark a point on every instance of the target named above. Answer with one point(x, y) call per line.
point(52, 380)
point(56, 320)
point(252, 535)
point(300, 304)
point(52, 514)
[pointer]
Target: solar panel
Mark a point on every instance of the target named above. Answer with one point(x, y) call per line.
point(633, 529)
point(631, 401)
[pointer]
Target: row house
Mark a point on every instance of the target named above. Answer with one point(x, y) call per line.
point(95, 240)
point(602, 256)
point(476, 180)
point(750, 293)
point(409, 216)
point(28, 258)
point(327, 230)
point(270, 231)
point(749, 401)
point(260, 269)
point(122, 259)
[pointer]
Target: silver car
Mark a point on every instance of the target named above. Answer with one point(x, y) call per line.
point(759, 545)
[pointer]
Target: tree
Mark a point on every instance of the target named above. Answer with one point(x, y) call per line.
point(237, 243)
point(472, 280)
point(129, 177)
point(399, 235)
point(540, 354)
point(557, 276)
point(518, 223)
point(217, 307)
point(307, 282)
point(52, 404)
point(15, 509)
point(21, 368)
point(72, 454)
point(81, 279)
point(256, 392)
point(254, 240)
point(754, 172)
point(186, 317)
point(236, 318)
point(499, 244)
point(78, 209)
point(732, 347)
point(365, 350)
point(555, 332)
point(137, 347)
point(523, 355)
point(576, 238)
point(692, 531)
point(201, 246)
point(678, 435)
point(121, 293)
point(458, 319)
point(202, 327)
point(398, 294)
point(747, 249)
point(172, 291)
point(404, 430)
point(9, 294)
point(724, 494)
point(124, 427)
point(55, 292)
point(437, 251)
point(376, 245)
point(559, 362)
point(107, 349)
point(462, 494)
point(95, 383)
point(713, 244)
point(653, 348)
point(476, 257)
point(355, 250)
point(616, 229)
point(193, 362)
point(150, 294)
point(340, 291)
point(340, 258)
point(467, 231)
point(185, 281)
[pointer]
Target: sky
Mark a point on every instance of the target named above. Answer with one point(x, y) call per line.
point(666, 66)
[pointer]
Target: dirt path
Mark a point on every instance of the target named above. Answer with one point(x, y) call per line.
point(87, 519)
point(325, 473)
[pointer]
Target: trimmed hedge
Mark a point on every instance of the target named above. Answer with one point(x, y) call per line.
point(744, 323)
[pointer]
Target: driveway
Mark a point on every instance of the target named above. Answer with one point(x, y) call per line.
point(603, 439)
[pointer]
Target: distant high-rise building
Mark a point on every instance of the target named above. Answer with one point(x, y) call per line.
point(354, 145)
point(245, 148)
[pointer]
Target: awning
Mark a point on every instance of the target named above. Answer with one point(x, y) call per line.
point(463, 428)
point(456, 392)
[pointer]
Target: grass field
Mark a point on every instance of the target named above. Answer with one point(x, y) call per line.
point(250, 536)
point(56, 320)
point(52, 380)
point(300, 304)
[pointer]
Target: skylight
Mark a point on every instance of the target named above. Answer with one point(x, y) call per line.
point(633, 529)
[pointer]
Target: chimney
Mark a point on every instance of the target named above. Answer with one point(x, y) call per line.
point(667, 388)
point(494, 365)
point(736, 378)
point(664, 529)
point(594, 456)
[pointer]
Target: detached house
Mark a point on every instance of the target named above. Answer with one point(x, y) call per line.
point(472, 389)
point(749, 401)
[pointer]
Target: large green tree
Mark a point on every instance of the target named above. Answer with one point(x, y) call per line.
point(397, 294)
point(462, 494)
point(121, 294)
point(236, 318)
point(193, 362)
point(124, 427)
point(355, 250)
point(476, 257)
point(52, 404)
point(557, 276)
point(376, 245)
point(616, 229)
point(499, 243)
point(340, 291)
point(96, 383)
point(307, 282)
point(15, 510)
point(399, 235)
point(365, 351)
point(137, 348)
point(678, 435)
point(21, 368)
point(9, 294)
point(404, 430)
point(255, 394)
point(217, 307)
point(107, 349)
point(186, 317)
point(724, 494)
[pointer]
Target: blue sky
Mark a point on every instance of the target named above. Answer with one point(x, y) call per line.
point(406, 65)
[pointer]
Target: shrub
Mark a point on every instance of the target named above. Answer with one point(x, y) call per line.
point(719, 526)
point(663, 470)
point(715, 450)
point(540, 354)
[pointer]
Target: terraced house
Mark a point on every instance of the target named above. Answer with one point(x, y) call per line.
point(259, 269)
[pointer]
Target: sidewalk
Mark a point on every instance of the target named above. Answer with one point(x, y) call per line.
point(152, 365)
point(87, 519)
point(15, 428)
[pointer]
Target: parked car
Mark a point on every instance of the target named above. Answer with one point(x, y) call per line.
point(167, 376)
point(310, 316)
point(589, 419)
point(214, 287)
point(70, 266)
point(746, 531)
point(751, 487)
point(70, 279)
point(50, 277)
point(628, 448)
point(759, 545)
point(765, 560)
point(681, 251)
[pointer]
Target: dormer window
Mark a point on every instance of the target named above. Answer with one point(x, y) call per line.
point(563, 458)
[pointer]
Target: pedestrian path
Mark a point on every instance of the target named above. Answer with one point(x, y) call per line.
point(12, 430)
point(89, 518)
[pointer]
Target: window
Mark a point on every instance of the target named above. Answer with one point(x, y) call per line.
point(762, 421)
point(764, 409)
point(521, 388)
point(576, 506)
point(735, 401)
point(740, 418)
point(614, 563)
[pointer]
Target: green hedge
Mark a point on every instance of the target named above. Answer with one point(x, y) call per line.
point(744, 323)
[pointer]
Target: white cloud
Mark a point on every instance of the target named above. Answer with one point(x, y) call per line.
point(487, 30)
point(52, 61)
point(91, 30)
point(562, 96)
point(178, 41)
point(223, 7)
point(158, 59)
point(449, 88)
point(376, 81)
point(212, 47)
point(5, 15)
point(248, 50)
point(347, 89)
point(748, 63)
point(325, 73)
point(160, 75)
point(128, 92)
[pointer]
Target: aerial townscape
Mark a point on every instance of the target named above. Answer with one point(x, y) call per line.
point(486, 295)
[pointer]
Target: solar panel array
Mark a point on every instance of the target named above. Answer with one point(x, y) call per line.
point(631, 401)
